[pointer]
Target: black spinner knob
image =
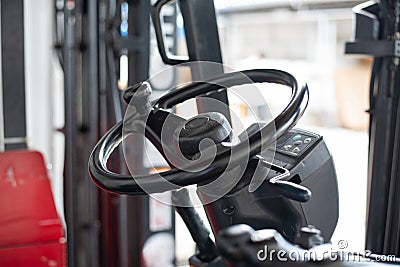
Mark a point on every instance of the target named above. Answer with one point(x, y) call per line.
point(212, 125)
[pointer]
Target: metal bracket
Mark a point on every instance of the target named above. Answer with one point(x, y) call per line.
point(376, 48)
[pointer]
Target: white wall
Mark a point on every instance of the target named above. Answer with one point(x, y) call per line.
point(44, 105)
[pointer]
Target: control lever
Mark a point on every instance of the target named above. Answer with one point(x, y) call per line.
point(198, 231)
point(285, 188)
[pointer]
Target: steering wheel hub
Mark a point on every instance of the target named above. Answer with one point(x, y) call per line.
point(212, 125)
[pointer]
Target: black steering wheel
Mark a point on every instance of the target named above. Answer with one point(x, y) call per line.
point(156, 113)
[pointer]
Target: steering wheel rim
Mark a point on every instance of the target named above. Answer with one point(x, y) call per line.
point(126, 184)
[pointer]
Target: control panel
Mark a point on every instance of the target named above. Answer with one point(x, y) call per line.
point(296, 142)
point(307, 162)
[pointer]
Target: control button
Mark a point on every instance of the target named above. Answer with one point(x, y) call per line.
point(298, 142)
point(307, 140)
point(287, 147)
point(296, 150)
point(297, 137)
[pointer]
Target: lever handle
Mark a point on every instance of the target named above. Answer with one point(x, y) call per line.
point(139, 92)
point(195, 225)
point(285, 188)
point(291, 190)
point(138, 95)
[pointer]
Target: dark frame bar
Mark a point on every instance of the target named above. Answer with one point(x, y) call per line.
point(203, 44)
point(13, 74)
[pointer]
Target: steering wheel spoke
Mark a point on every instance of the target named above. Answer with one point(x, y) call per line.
point(160, 121)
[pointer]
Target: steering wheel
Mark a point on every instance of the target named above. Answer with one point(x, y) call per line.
point(152, 115)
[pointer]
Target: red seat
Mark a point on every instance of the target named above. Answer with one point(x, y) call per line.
point(31, 233)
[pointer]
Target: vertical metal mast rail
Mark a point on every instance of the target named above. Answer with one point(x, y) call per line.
point(378, 34)
point(138, 70)
point(388, 103)
point(93, 122)
point(102, 228)
point(82, 129)
point(71, 174)
point(132, 211)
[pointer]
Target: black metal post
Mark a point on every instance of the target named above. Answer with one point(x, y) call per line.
point(13, 75)
point(377, 34)
point(79, 62)
point(93, 123)
point(383, 170)
point(70, 174)
point(203, 45)
point(137, 207)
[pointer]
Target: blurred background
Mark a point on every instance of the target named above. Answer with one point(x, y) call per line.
point(304, 37)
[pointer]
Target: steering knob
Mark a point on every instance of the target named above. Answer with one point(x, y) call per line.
point(138, 95)
point(212, 125)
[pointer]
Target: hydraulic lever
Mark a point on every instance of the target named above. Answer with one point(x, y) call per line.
point(200, 234)
point(285, 188)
